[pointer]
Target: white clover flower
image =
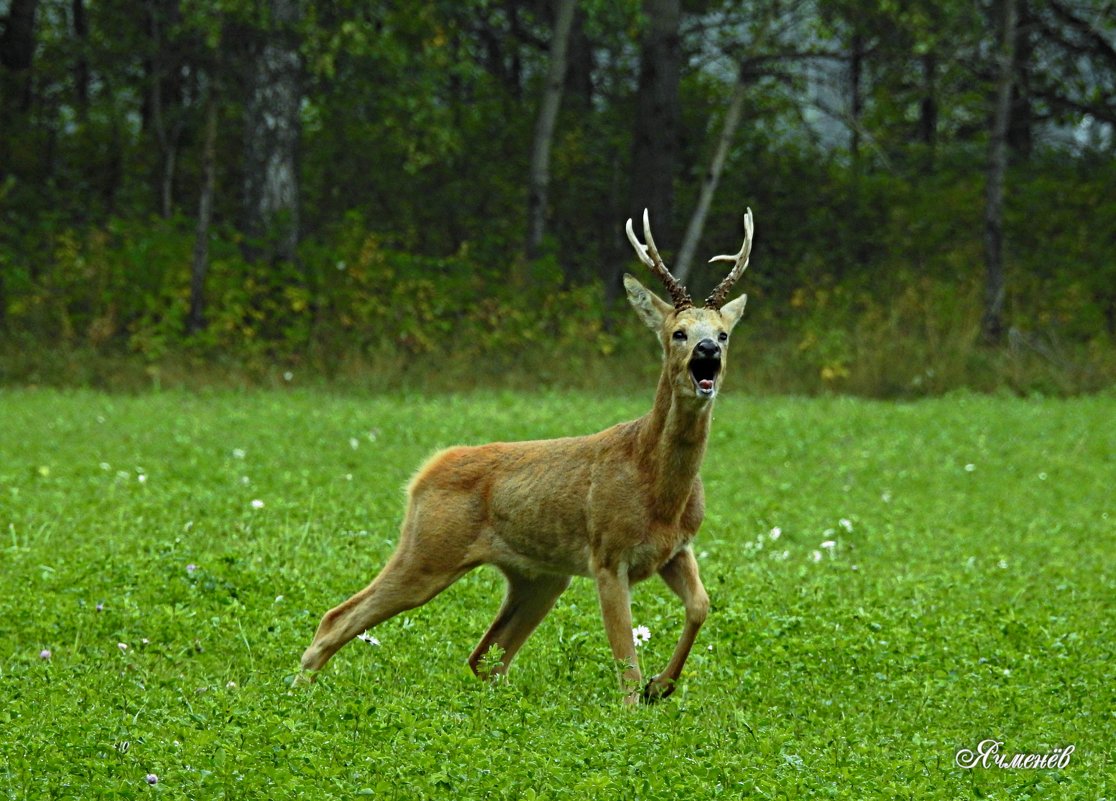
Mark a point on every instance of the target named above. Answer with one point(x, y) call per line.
point(775, 533)
point(846, 524)
point(970, 468)
point(354, 443)
point(829, 545)
point(641, 634)
point(238, 453)
point(257, 503)
point(368, 638)
point(123, 646)
point(142, 478)
point(815, 556)
point(288, 376)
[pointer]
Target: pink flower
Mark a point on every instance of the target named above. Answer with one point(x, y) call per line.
point(45, 654)
point(151, 778)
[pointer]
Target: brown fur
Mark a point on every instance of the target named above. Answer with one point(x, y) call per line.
point(617, 506)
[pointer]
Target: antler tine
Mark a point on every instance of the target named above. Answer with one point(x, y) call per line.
point(740, 263)
point(649, 255)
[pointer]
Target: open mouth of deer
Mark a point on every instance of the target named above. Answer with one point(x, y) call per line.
point(703, 372)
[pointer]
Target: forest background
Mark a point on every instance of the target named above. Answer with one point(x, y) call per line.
point(431, 194)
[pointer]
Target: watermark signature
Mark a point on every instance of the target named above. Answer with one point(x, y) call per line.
point(988, 755)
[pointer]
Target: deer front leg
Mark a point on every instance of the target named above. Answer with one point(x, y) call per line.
point(681, 575)
point(616, 608)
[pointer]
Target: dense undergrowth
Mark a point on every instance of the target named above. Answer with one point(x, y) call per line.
point(893, 312)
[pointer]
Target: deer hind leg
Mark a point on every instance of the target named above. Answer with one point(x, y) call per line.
point(432, 554)
point(681, 575)
point(400, 586)
point(527, 602)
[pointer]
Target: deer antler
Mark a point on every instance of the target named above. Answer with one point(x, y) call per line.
point(740, 263)
point(649, 255)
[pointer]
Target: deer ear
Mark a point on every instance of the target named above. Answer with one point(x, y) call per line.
point(650, 307)
point(734, 310)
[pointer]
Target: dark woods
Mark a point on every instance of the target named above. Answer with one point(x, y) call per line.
point(343, 188)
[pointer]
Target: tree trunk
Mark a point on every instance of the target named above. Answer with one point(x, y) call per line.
point(164, 104)
point(654, 133)
point(1020, 135)
point(928, 107)
point(655, 138)
point(271, 137)
point(17, 42)
point(81, 66)
point(709, 183)
point(196, 320)
point(856, 97)
point(580, 65)
point(992, 323)
point(538, 180)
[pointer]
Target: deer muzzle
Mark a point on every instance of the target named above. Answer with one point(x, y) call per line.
point(705, 366)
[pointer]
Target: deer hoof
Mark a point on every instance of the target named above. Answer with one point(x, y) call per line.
point(303, 678)
point(657, 689)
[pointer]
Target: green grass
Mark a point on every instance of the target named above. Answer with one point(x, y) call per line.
point(965, 603)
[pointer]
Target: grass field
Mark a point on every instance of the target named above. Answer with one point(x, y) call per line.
point(174, 552)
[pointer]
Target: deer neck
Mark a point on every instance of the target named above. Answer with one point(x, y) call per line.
point(671, 447)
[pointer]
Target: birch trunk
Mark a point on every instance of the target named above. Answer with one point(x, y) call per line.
point(271, 136)
point(538, 181)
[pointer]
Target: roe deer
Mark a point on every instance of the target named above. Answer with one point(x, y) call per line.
point(617, 506)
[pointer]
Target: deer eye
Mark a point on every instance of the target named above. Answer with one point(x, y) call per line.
point(680, 335)
point(723, 336)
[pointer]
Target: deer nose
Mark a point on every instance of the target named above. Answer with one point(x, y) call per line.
point(707, 349)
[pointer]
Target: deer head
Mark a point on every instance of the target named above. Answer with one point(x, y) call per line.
point(695, 341)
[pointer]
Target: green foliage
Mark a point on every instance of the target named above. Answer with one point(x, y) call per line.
point(900, 318)
point(417, 120)
point(968, 595)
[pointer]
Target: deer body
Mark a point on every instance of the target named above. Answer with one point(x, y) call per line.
point(618, 506)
